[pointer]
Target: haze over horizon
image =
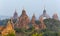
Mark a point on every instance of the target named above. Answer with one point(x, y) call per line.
point(7, 7)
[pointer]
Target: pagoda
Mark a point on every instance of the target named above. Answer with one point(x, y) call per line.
point(55, 16)
point(23, 20)
point(35, 25)
point(15, 16)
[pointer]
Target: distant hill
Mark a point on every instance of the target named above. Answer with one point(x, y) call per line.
point(4, 17)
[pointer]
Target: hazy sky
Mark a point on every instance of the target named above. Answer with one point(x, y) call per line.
point(7, 7)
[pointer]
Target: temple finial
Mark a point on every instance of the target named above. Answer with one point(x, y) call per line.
point(23, 8)
point(44, 11)
point(44, 7)
point(55, 13)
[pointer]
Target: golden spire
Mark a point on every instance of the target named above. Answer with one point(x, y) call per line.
point(9, 25)
point(34, 15)
point(15, 11)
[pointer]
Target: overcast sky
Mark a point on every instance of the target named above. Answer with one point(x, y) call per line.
point(7, 7)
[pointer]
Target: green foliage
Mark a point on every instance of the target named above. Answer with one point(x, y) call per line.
point(3, 22)
point(41, 34)
point(37, 22)
point(37, 34)
point(11, 34)
point(52, 25)
point(52, 28)
point(50, 33)
point(18, 30)
point(14, 20)
point(28, 31)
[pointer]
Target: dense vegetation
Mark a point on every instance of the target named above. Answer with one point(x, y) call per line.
point(52, 28)
point(52, 25)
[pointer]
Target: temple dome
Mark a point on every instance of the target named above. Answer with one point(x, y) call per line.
point(45, 15)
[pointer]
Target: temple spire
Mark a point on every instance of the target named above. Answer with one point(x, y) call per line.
point(15, 14)
point(23, 11)
point(44, 11)
point(55, 16)
point(33, 19)
point(34, 15)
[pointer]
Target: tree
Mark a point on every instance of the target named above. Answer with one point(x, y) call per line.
point(11, 34)
point(52, 25)
point(18, 30)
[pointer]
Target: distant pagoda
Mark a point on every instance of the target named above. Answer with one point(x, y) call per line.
point(33, 19)
point(15, 16)
point(23, 20)
point(34, 23)
point(55, 16)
